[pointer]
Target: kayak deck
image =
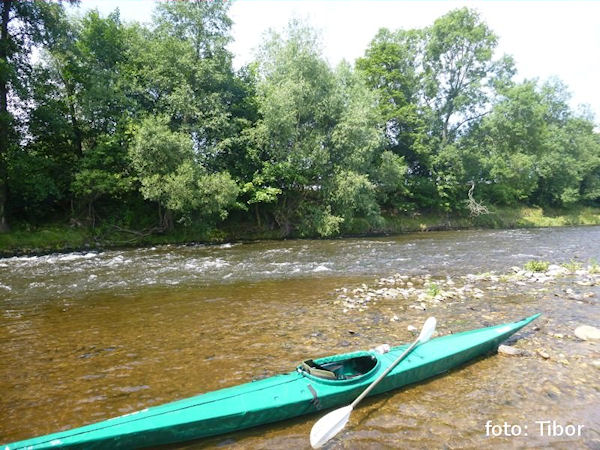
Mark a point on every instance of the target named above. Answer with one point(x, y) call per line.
point(280, 397)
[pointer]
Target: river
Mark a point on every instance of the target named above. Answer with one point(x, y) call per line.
point(92, 335)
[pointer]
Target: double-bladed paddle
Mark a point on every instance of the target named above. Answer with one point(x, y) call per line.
point(332, 423)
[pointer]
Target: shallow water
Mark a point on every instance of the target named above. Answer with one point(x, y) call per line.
point(88, 336)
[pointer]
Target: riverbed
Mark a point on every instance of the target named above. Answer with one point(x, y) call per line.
point(91, 335)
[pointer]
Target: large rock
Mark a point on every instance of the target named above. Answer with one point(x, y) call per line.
point(587, 333)
point(556, 270)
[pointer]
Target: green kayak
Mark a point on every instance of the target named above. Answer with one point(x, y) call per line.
point(314, 386)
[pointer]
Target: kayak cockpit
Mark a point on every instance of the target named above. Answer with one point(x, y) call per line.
point(351, 367)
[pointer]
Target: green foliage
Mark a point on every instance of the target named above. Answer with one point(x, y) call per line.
point(102, 171)
point(23, 26)
point(318, 221)
point(168, 173)
point(352, 194)
point(158, 150)
point(572, 265)
point(36, 179)
point(259, 193)
point(532, 148)
point(391, 69)
point(536, 266)
point(118, 119)
point(432, 84)
point(316, 139)
point(298, 105)
point(457, 68)
point(433, 289)
point(391, 173)
point(216, 194)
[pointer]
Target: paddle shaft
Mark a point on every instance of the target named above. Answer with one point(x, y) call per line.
point(384, 374)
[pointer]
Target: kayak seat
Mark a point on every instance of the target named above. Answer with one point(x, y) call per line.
point(344, 369)
point(317, 370)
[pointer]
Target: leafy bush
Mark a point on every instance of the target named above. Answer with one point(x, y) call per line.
point(537, 266)
point(433, 289)
point(572, 265)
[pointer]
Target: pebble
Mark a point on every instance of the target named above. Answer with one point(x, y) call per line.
point(412, 328)
point(511, 351)
point(543, 354)
point(587, 333)
point(414, 292)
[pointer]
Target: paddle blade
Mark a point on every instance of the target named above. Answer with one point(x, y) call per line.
point(329, 425)
point(428, 330)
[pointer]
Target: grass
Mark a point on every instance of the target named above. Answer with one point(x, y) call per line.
point(539, 217)
point(45, 240)
point(433, 289)
point(499, 217)
point(61, 237)
point(593, 266)
point(572, 265)
point(537, 266)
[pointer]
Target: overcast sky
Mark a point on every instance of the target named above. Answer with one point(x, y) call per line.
point(546, 38)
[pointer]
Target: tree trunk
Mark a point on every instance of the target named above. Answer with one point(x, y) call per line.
point(165, 219)
point(4, 114)
point(257, 212)
point(169, 225)
point(70, 92)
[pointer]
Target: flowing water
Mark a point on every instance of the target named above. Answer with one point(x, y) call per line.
point(88, 336)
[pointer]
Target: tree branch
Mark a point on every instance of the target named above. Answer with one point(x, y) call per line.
point(468, 119)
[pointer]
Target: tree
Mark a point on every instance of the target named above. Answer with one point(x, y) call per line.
point(298, 107)
point(40, 170)
point(570, 153)
point(107, 77)
point(169, 174)
point(391, 66)
point(88, 65)
point(23, 24)
point(318, 130)
point(186, 72)
point(459, 72)
point(432, 84)
point(531, 147)
point(161, 157)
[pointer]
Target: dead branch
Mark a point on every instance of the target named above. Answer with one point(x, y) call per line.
point(475, 208)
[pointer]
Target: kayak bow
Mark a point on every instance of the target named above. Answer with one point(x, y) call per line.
point(314, 386)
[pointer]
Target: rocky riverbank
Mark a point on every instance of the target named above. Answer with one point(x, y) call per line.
point(424, 291)
point(551, 286)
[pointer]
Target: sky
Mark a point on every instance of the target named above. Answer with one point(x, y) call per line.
point(547, 38)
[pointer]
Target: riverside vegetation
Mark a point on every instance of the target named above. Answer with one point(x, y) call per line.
point(124, 133)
